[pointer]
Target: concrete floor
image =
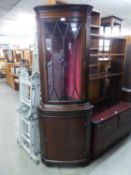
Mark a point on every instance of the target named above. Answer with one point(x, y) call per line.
point(14, 161)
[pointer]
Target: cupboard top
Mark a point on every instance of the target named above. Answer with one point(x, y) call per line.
point(110, 112)
point(63, 7)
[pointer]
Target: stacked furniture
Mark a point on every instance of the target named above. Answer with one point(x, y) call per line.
point(78, 66)
point(111, 21)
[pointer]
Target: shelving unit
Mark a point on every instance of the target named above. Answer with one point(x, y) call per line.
point(106, 64)
point(106, 60)
point(107, 56)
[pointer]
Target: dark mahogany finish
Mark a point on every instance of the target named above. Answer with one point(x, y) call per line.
point(110, 126)
point(64, 114)
point(65, 134)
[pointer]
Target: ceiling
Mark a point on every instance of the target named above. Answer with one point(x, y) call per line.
point(10, 9)
point(6, 5)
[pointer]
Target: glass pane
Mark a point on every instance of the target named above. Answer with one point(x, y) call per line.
point(64, 60)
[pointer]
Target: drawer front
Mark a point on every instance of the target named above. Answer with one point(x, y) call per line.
point(125, 118)
point(107, 128)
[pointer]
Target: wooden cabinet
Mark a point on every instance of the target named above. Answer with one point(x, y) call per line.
point(109, 126)
point(64, 114)
point(112, 117)
point(65, 136)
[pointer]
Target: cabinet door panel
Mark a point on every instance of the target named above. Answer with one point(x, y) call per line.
point(125, 118)
point(65, 138)
point(107, 128)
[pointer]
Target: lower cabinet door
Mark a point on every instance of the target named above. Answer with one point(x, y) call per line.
point(103, 135)
point(125, 119)
point(108, 132)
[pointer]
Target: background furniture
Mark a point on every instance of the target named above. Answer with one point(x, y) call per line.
point(2, 69)
point(111, 119)
point(111, 21)
point(11, 76)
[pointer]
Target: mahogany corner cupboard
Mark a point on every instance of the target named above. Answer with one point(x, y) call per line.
point(64, 113)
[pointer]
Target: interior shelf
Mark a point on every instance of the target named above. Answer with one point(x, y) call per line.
point(94, 48)
point(103, 75)
point(106, 37)
point(107, 54)
point(95, 26)
point(93, 65)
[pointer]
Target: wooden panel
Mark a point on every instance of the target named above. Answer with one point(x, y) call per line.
point(95, 20)
point(65, 138)
point(106, 131)
point(65, 135)
point(125, 119)
point(93, 90)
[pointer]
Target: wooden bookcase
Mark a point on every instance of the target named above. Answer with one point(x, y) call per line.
point(106, 62)
point(106, 67)
point(112, 116)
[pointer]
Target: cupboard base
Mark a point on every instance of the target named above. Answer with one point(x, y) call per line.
point(109, 127)
point(65, 134)
point(72, 163)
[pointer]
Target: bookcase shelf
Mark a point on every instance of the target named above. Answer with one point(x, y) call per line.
point(107, 55)
point(95, 26)
point(103, 75)
point(106, 37)
point(94, 48)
